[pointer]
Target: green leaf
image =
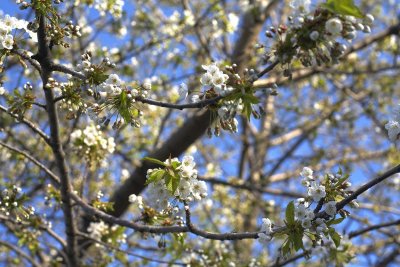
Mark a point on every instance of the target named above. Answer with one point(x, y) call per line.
point(156, 176)
point(180, 238)
point(286, 248)
point(249, 98)
point(247, 110)
point(290, 213)
point(343, 7)
point(298, 240)
point(335, 237)
point(172, 182)
point(156, 161)
point(175, 164)
point(335, 221)
point(342, 180)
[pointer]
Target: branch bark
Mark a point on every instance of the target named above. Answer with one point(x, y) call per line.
point(44, 58)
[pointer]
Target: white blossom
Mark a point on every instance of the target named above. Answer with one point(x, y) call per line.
point(90, 141)
point(195, 98)
point(266, 225)
point(199, 189)
point(316, 191)
point(306, 173)
point(233, 20)
point(215, 77)
point(334, 26)
point(330, 208)
point(222, 112)
point(264, 238)
point(8, 42)
point(314, 35)
point(266, 229)
point(183, 90)
point(114, 80)
point(147, 84)
point(301, 5)
point(111, 86)
point(393, 128)
point(97, 229)
point(188, 161)
point(306, 223)
point(206, 79)
point(134, 199)
point(115, 9)
point(300, 211)
point(369, 19)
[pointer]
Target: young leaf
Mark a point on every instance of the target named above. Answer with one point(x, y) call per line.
point(335, 221)
point(155, 176)
point(156, 161)
point(249, 98)
point(175, 164)
point(247, 110)
point(172, 182)
point(335, 237)
point(343, 7)
point(286, 248)
point(290, 213)
point(298, 240)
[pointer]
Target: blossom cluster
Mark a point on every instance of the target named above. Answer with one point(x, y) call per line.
point(138, 200)
point(12, 204)
point(71, 99)
point(327, 189)
point(92, 145)
point(237, 91)
point(103, 232)
point(7, 25)
point(312, 38)
point(393, 126)
point(115, 100)
point(187, 187)
point(214, 77)
point(115, 7)
point(302, 218)
point(265, 234)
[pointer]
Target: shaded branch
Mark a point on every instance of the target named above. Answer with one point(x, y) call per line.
point(43, 57)
point(21, 253)
point(372, 228)
point(28, 123)
point(367, 186)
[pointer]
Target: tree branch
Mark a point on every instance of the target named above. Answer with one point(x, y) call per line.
point(43, 57)
point(21, 253)
point(367, 186)
point(28, 123)
point(372, 228)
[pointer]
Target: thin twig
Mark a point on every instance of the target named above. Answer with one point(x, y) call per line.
point(128, 252)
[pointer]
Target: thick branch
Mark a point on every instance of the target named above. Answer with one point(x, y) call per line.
point(194, 127)
point(43, 57)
